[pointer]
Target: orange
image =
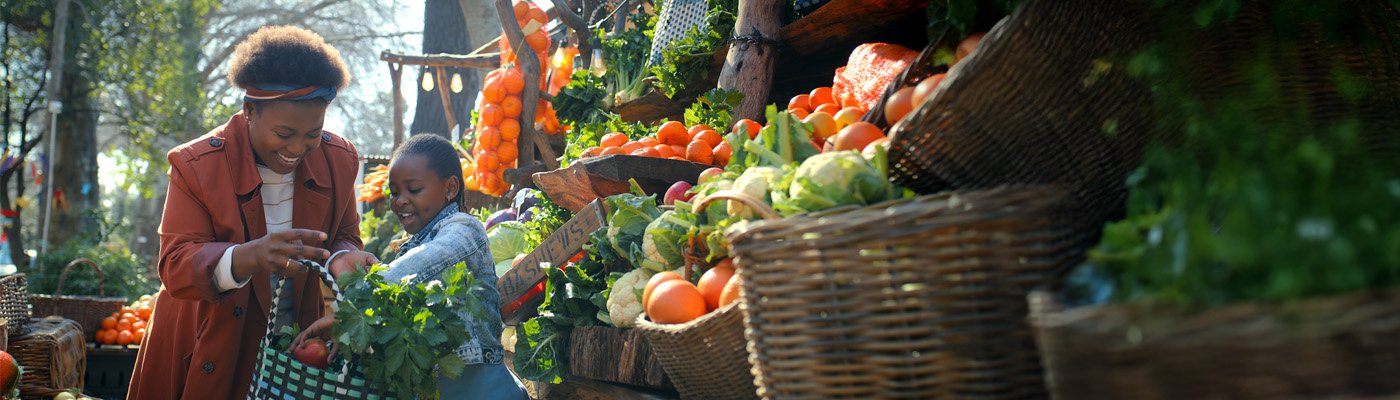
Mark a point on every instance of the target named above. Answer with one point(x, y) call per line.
point(492, 91)
point(898, 105)
point(488, 161)
point(144, 313)
point(721, 154)
point(507, 151)
point(801, 101)
point(700, 152)
point(138, 335)
point(673, 133)
point(513, 81)
point(491, 115)
point(109, 323)
point(123, 325)
point(857, 136)
point(127, 310)
point(819, 97)
point(470, 182)
point(521, 9)
point(678, 150)
point(615, 139)
point(534, 14)
point(749, 127)
point(124, 338)
point(645, 152)
point(697, 128)
point(925, 88)
point(649, 142)
point(631, 147)
point(664, 151)
point(710, 137)
point(510, 130)
point(655, 281)
point(829, 108)
point(713, 281)
point(538, 41)
point(489, 136)
point(610, 151)
point(511, 106)
point(139, 324)
point(675, 302)
point(967, 47)
point(730, 292)
point(847, 116)
point(592, 151)
point(823, 125)
point(800, 113)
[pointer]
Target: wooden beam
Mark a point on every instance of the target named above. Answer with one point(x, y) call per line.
point(446, 94)
point(753, 55)
point(485, 60)
point(396, 73)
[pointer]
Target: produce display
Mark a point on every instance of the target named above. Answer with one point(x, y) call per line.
point(127, 326)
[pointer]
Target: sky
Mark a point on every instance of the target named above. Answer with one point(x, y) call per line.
point(409, 18)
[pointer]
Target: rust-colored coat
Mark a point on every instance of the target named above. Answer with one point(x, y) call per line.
point(202, 344)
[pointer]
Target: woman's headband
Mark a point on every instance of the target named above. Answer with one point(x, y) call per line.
point(261, 93)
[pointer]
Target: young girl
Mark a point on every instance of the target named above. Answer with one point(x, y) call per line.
point(425, 184)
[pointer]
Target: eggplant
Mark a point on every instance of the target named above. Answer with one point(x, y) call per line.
point(499, 217)
point(525, 199)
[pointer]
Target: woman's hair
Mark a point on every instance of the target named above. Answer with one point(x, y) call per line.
point(287, 55)
point(442, 159)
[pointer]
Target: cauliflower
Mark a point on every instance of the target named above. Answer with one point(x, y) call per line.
point(625, 300)
point(754, 182)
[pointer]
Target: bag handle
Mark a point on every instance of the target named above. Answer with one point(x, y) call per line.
point(101, 290)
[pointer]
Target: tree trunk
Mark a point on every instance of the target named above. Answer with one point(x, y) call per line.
point(444, 31)
point(75, 161)
point(753, 55)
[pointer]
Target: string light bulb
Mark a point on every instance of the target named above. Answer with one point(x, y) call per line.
point(456, 82)
point(427, 81)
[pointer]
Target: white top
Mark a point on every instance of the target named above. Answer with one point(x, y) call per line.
point(277, 192)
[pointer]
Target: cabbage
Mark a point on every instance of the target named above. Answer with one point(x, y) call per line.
point(755, 182)
point(507, 240)
point(628, 216)
point(663, 246)
point(831, 180)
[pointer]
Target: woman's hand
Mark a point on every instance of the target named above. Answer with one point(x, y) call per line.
point(322, 328)
point(352, 261)
point(277, 253)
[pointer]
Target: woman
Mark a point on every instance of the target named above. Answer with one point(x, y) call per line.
point(247, 198)
point(426, 193)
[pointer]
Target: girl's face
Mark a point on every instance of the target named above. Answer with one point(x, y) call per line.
point(417, 193)
point(284, 132)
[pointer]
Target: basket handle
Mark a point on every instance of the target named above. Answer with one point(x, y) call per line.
point(762, 208)
point(101, 290)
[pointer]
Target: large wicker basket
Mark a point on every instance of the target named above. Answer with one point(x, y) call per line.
point(88, 311)
point(1032, 106)
point(14, 302)
point(53, 355)
point(1344, 347)
point(918, 298)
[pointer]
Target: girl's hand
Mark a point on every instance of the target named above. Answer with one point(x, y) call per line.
point(352, 261)
point(322, 328)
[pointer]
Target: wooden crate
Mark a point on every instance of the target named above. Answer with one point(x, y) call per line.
point(615, 355)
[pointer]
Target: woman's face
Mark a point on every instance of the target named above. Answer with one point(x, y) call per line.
point(284, 132)
point(416, 193)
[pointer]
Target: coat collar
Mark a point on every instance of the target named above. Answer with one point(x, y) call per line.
point(243, 165)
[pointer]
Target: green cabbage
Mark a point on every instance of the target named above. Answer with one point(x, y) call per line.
point(831, 180)
point(507, 240)
point(628, 217)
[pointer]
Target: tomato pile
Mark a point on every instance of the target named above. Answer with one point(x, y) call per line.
point(128, 325)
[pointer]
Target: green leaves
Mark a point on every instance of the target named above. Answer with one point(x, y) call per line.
point(398, 332)
point(715, 108)
point(688, 58)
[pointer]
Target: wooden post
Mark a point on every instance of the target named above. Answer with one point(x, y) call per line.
point(446, 93)
point(396, 74)
point(576, 23)
point(753, 55)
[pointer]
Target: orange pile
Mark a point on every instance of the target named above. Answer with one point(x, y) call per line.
point(699, 143)
point(373, 188)
point(823, 112)
point(497, 131)
point(127, 326)
point(669, 299)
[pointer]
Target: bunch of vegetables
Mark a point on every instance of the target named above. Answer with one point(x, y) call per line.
point(686, 60)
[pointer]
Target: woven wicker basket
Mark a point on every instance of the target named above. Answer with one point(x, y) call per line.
point(1031, 106)
point(14, 302)
point(88, 311)
point(706, 358)
point(53, 355)
point(1334, 348)
point(917, 298)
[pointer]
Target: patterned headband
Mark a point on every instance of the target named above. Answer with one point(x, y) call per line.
point(261, 93)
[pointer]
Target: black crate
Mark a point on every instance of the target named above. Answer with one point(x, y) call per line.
point(109, 371)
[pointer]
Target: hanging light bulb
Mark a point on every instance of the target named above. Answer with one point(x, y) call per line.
point(427, 81)
point(599, 68)
point(456, 82)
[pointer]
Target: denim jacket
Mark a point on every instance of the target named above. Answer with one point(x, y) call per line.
point(452, 237)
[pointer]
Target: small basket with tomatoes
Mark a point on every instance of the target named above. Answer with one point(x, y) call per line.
point(88, 311)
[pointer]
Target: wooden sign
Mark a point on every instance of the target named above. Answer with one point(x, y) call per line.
point(556, 250)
